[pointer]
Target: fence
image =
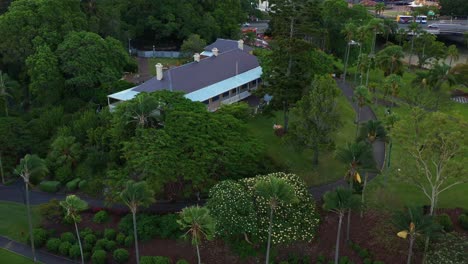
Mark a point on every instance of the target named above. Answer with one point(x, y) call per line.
point(156, 53)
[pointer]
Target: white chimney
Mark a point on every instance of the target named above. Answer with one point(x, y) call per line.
point(215, 51)
point(196, 57)
point(159, 71)
point(240, 44)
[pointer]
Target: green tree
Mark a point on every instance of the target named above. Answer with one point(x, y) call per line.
point(414, 223)
point(136, 194)
point(390, 60)
point(30, 166)
point(198, 223)
point(379, 8)
point(73, 205)
point(316, 116)
point(64, 155)
point(193, 44)
point(415, 29)
point(427, 48)
point(7, 87)
point(14, 140)
point(375, 25)
point(339, 201)
point(392, 83)
point(350, 32)
point(452, 52)
point(453, 7)
point(276, 191)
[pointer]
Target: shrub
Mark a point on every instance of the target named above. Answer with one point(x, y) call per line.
point(154, 260)
point(101, 244)
point(110, 233)
point(129, 241)
point(64, 248)
point(182, 261)
point(82, 184)
point(344, 260)
point(99, 257)
point(51, 211)
point(243, 249)
point(89, 239)
point(147, 225)
point(445, 221)
point(378, 262)
point(74, 252)
point(73, 184)
point(53, 245)
point(40, 237)
point(67, 237)
point(364, 253)
point(110, 245)
point(168, 227)
point(120, 239)
point(86, 231)
point(49, 186)
point(121, 255)
point(367, 261)
point(463, 220)
point(101, 217)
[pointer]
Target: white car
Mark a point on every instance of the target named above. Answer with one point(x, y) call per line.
point(246, 24)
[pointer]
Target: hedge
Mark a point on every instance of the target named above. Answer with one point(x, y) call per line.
point(53, 245)
point(73, 184)
point(101, 217)
point(99, 257)
point(121, 255)
point(49, 186)
point(155, 260)
point(40, 237)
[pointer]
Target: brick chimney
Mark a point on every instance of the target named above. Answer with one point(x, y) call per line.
point(196, 57)
point(215, 51)
point(159, 71)
point(240, 44)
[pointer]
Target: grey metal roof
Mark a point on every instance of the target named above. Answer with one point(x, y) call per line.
point(224, 45)
point(197, 75)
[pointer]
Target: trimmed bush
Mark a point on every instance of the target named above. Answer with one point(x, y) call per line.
point(64, 248)
point(120, 239)
point(40, 237)
point(89, 239)
point(445, 221)
point(367, 261)
point(73, 184)
point(74, 252)
point(121, 255)
point(168, 227)
point(110, 245)
point(110, 233)
point(101, 244)
point(67, 237)
point(364, 253)
point(154, 260)
point(49, 186)
point(82, 184)
point(86, 231)
point(344, 260)
point(51, 211)
point(463, 220)
point(182, 261)
point(101, 217)
point(129, 241)
point(53, 245)
point(99, 257)
point(147, 226)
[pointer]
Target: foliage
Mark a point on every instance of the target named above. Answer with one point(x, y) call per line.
point(121, 255)
point(120, 239)
point(101, 217)
point(129, 241)
point(463, 220)
point(40, 237)
point(31, 168)
point(449, 249)
point(67, 237)
point(146, 226)
point(49, 186)
point(428, 48)
point(168, 227)
point(99, 257)
point(89, 239)
point(193, 44)
point(74, 252)
point(14, 141)
point(155, 260)
point(73, 205)
point(51, 211)
point(64, 248)
point(101, 244)
point(64, 156)
point(73, 184)
point(453, 7)
point(182, 261)
point(389, 60)
point(110, 245)
point(445, 221)
point(109, 233)
point(53, 245)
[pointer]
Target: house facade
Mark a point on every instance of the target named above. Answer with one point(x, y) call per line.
point(224, 73)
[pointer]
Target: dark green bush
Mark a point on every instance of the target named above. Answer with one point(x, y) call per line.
point(129, 241)
point(243, 249)
point(87, 247)
point(82, 184)
point(182, 261)
point(367, 261)
point(378, 262)
point(53, 245)
point(321, 258)
point(49, 186)
point(51, 211)
point(68, 237)
point(120, 239)
point(99, 257)
point(110, 233)
point(121, 255)
point(110, 245)
point(86, 231)
point(154, 260)
point(64, 248)
point(101, 244)
point(89, 239)
point(101, 217)
point(40, 237)
point(168, 227)
point(147, 226)
point(463, 220)
point(344, 260)
point(364, 253)
point(73, 184)
point(74, 252)
point(445, 221)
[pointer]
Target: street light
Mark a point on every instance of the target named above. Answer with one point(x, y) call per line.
point(154, 51)
point(352, 42)
point(129, 46)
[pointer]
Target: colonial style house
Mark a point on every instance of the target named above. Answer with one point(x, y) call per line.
point(225, 72)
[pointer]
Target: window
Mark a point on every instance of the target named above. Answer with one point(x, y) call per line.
point(226, 94)
point(206, 102)
point(234, 91)
point(214, 99)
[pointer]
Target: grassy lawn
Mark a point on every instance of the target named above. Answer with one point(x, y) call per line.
point(12, 258)
point(300, 162)
point(166, 62)
point(13, 220)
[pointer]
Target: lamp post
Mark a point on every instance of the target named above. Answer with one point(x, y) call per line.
point(129, 46)
point(352, 42)
point(154, 51)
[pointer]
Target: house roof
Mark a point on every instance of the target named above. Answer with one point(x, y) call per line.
point(224, 45)
point(197, 75)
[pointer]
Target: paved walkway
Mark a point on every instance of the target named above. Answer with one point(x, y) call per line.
point(25, 250)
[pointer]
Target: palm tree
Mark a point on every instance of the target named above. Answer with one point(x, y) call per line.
point(379, 8)
point(198, 223)
point(134, 195)
point(414, 223)
point(276, 191)
point(355, 155)
point(390, 60)
point(375, 25)
point(401, 35)
point(349, 31)
point(30, 166)
point(362, 97)
point(73, 205)
point(414, 28)
point(452, 52)
point(393, 82)
point(339, 201)
point(143, 111)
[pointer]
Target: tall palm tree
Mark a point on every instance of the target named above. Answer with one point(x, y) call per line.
point(414, 28)
point(452, 52)
point(362, 97)
point(73, 205)
point(355, 155)
point(198, 223)
point(379, 8)
point(375, 25)
point(276, 191)
point(30, 166)
point(349, 31)
point(390, 60)
point(393, 83)
point(134, 195)
point(361, 35)
point(413, 223)
point(339, 201)
point(401, 35)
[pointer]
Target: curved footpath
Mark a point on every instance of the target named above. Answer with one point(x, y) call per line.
point(15, 192)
